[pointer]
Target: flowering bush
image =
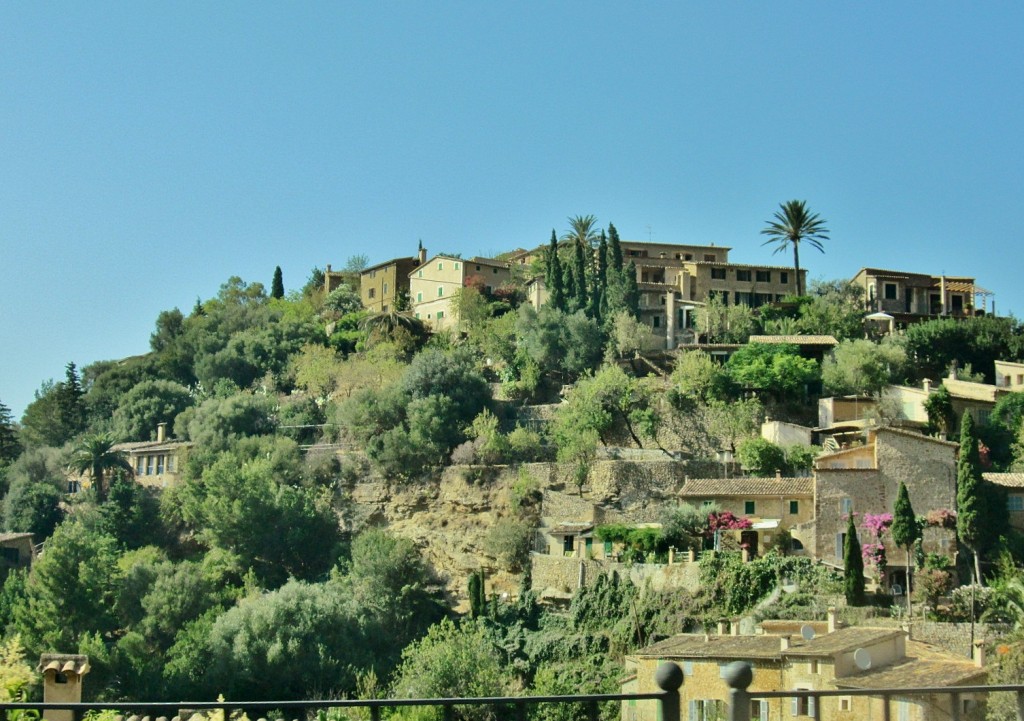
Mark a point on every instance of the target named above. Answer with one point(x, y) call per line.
point(726, 521)
point(876, 523)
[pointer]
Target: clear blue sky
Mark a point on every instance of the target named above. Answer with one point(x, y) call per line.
point(148, 151)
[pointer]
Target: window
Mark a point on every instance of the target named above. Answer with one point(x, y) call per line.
point(840, 544)
point(495, 271)
point(568, 544)
point(846, 506)
point(846, 703)
point(384, 291)
point(743, 275)
point(656, 321)
point(758, 710)
point(417, 315)
point(814, 666)
point(803, 705)
point(710, 257)
point(718, 274)
point(763, 276)
point(140, 466)
point(1015, 503)
point(440, 314)
point(794, 507)
point(890, 291)
point(170, 464)
point(784, 277)
point(371, 293)
point(149, 465)
point(710, 709)
point(419, 274)
point(159, 465)
point(440, 291)
point(456, 266)
point(440, 266)
point(419, 297)
point(10, 555)
point(707, 504)
point(74, 486)
point(607, 548)
point(744, 298)
point(749, 507)
point(688, 256)
point(478, 267)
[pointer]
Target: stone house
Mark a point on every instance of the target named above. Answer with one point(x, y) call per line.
point(1013, 485)
point(779, 508)
point(915, 297)
point(16, 551)
point(433, 284)
point(865, 479)
point(1010, 375)
point(380, 285)
point(823, 658)
point(156, 463)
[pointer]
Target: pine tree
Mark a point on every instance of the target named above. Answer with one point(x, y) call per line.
point(853, 563)
point(10, 447)
point(277, 284)
point(969, 502)
point(614, 248)
point(905, 531)
point(70, 403)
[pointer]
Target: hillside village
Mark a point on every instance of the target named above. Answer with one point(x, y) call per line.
point(568, 462)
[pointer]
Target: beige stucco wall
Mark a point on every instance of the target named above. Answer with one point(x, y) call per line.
point(432, 286)
point(384, 282)
point(786, 434)
point(1010, 375)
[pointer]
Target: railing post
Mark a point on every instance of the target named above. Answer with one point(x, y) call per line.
point(738, 675)
point(669, 678)
point(1020, 706)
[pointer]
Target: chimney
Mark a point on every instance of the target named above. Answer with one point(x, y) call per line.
point(778, 474)
point(423, 255)
point(161, 432)
point(62, 681)
point(784, 642)
point(927, 385)
point(328, 267)
point(979, 654)
point(832, 624)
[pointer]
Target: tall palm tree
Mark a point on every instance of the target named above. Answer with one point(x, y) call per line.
point(583, 230)
point(792, 225)
point(95, 454)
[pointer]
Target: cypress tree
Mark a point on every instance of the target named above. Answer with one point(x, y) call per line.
point(905, 530)
point(632, 290)
point(600, 298)
point(580, 273)
point(853, 563)
point(553, 279)
point(568, 289)
point(277, 285)
point(614, 248)
point(474, 587)
point(968, 493)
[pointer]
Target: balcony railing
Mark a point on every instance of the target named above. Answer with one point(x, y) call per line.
point(668, 678)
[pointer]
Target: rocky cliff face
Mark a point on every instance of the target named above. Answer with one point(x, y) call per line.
point(449, 517)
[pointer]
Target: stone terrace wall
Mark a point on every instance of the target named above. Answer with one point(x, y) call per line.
point(562, 575)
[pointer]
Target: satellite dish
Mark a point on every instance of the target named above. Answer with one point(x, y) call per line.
point(862, 658)
point(807, 632)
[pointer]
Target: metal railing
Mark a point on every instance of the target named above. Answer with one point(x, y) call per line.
point(668, 677)
point(739, 675)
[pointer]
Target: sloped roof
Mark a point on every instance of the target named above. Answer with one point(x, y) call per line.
point(923, 666)
point(695, 645)
point(1006, 480)
point(137, 446)
point(771, 486)
point(795, 339)
point(842, 640)
point(569, 529)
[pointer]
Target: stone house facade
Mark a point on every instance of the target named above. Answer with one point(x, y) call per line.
point(380, 285)
point(156, 463)
point(914, 297)
point(866, 479)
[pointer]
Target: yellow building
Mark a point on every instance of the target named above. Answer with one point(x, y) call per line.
point(778, 508)
point(156, 463)
point(380, 285)
point(435, 282)
point(823, 658)
point(1010, 375)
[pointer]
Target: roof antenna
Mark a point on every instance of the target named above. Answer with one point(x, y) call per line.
point(648, 233)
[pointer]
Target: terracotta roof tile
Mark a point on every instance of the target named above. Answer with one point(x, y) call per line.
point(771, 486)
point(1006, 480)
point(795, 339)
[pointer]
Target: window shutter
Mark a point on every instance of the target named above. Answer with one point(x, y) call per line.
point(795, 710)
point(693, 711)
point(811, 702)
point(839, 545)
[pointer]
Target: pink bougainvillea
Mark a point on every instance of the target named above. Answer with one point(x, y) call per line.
point(876, 524)
point(726, 521)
